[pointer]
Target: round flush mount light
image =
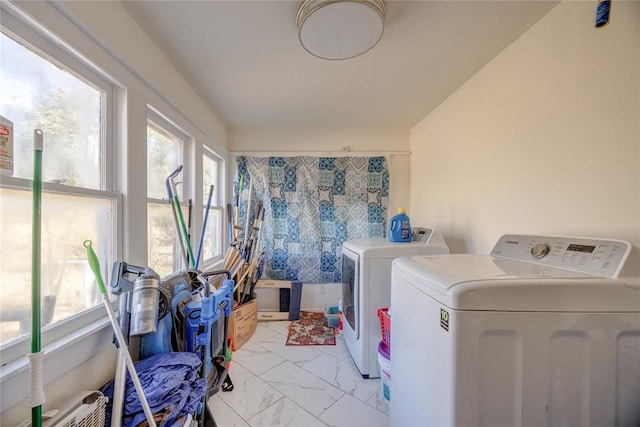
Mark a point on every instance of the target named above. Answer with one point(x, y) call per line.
point(340, 29)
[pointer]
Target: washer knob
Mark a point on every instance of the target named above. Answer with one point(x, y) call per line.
point(539, 250)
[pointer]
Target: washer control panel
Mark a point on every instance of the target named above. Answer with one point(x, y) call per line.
point(592, 256)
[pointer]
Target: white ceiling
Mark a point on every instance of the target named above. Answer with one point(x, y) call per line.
point(245, 61)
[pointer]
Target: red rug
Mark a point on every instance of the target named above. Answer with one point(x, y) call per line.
point(311, 329)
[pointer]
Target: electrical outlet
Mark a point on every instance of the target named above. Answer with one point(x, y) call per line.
point(323, 289)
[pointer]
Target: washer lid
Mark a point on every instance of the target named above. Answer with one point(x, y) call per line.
point(484, 282)
point(382, 248)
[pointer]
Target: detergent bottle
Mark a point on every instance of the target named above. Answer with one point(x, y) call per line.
point(399, 227)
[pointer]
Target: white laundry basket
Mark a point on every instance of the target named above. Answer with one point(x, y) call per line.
point(384, 365)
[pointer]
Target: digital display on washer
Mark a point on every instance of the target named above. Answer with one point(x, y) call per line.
point(581, 248)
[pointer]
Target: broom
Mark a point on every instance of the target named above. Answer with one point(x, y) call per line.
point(37, 397)
point(95, 267)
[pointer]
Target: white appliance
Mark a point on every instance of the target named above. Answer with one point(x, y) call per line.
point(366, 287)
point(541, 332)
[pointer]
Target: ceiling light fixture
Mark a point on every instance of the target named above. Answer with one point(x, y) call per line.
point(340, 29)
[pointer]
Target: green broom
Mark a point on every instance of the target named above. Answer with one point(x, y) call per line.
point(37, 397)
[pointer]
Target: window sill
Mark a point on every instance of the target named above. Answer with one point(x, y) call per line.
point(60, 357)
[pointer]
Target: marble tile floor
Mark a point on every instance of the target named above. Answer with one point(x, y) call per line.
point(299, 386)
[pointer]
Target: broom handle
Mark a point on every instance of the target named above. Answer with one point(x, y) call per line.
point(95, 267)
point(35, 359)
point(248, 220)
point(204, 226)
point(183, 227)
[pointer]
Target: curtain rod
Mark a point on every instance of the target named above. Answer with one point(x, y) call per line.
point(319, 153)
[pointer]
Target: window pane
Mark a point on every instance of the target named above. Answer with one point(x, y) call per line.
point(209, 177)
point(212, 244)
point(66, 279)
point(163, 157)
point(37, 94)
point(161, 238)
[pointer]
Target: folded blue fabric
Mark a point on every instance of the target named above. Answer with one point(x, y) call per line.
point(171, 385)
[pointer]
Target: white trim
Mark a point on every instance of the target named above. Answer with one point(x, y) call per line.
point(14, 183)
point(319, 153)
point(60, 357)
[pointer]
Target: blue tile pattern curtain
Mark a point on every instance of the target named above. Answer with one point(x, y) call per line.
point(312, 205)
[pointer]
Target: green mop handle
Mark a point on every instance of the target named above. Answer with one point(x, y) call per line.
point(35, 358)
point(95, 267)
point(185, 234)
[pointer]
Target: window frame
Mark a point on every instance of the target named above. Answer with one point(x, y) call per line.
point(58, 53)
point(217, 193)
point(159, 121)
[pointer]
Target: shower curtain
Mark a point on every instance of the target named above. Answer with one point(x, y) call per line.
point(312, 205)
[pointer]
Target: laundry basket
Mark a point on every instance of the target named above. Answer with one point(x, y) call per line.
point(385, 325)
point(384, 364)
point(83, 409)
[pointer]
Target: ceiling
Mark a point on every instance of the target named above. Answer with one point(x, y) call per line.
point(245, 60)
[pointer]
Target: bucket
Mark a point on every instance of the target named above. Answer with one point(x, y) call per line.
point(399, 227)
point(332, 315)
point(384, 364)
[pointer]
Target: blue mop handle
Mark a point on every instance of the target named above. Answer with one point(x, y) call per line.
point(204, 226)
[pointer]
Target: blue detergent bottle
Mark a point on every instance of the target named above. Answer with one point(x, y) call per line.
point(400, 227)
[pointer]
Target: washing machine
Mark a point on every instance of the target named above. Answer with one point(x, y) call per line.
point(543, 331)
point(366, 287)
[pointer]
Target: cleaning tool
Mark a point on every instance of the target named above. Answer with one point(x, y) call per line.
point(256, 265)
point(236, 222)
point(175, 219)
point(35, 358)
point(179, 218)
point(229, 223)
point(602, 13)
point(204, 226)
point(95, 267)
point(143, 291)
point(160, 341)
point(245, 239)
point(253, 231)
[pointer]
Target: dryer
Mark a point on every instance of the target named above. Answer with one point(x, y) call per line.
point(542, 331)
point(366, 287)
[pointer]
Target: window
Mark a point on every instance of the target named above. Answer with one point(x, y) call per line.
point(166, 146)
point(73, 105)
point(213, 235)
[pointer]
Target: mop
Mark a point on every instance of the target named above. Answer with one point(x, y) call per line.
point(95, 267)
point(37, 397)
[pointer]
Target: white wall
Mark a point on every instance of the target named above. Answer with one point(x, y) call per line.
point(319, 140)
point(545, 139)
